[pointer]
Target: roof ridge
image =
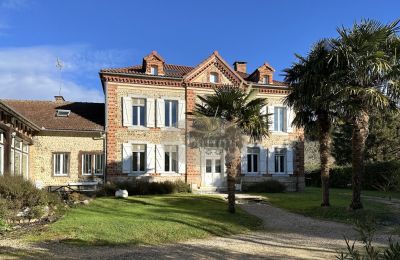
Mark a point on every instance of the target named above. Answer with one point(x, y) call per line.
point(50, 101)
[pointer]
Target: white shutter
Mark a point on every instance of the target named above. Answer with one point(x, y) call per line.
point(244, 160)
point(263, 160)
point(159, 158)
point(271, 160)
point(182, 114)
point(182, 158)
point(150, 120)
point(289, 160)
point(160, 113)
point(127, 111)
point(271, 118)
point(126, 157)
point(290, 116)
point(150, 156)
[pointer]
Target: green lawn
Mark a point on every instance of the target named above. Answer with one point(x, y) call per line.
point(148, 220)
point(308, 203)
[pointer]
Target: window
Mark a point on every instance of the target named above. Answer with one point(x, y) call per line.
point(19, 157)
point(171, 113)
point(266, 79)
point(213, 77)
point(92, 164)
point(138, 158)
point(61, 164)
point(154, 70)
point(252, 159)
point(63, 112)
point(138, 112)
point(218, 167)
point(280, 158)
point(171, 158)
point(208, 166)
point(279, 119)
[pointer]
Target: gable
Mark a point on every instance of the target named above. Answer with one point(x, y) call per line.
point(213, 64)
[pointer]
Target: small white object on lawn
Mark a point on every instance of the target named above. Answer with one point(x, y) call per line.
point(121, 194)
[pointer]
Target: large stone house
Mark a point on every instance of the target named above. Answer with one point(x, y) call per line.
point(147, 124)
point(142, 130)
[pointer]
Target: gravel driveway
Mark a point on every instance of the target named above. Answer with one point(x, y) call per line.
point(286, 236)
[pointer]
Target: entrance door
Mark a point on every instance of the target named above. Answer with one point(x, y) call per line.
point(213, 175)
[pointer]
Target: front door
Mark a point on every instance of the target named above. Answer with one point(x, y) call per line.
point(213, 169)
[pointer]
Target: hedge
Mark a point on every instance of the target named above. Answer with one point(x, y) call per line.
point(375, 174)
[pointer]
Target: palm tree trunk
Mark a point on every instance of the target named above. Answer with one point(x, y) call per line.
point(324, 151)
point(359, 137)
point(232, 162)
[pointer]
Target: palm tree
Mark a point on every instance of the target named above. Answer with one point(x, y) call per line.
point(237, 114)
point(367, 63)
point(313, 98)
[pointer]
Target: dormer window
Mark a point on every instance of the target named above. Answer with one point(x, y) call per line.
point(266, 80)
point(213, 77)
point(63, 113)
point(154, 70)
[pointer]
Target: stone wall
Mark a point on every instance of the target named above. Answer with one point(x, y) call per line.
point(41, 156)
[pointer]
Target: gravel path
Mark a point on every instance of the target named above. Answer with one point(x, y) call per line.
point(286, 236)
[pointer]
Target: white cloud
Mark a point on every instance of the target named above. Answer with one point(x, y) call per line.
point(31, 72)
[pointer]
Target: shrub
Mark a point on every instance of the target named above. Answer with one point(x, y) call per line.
point(376, 174)
point(269, 186)
point(145, 187)
point(3, 226)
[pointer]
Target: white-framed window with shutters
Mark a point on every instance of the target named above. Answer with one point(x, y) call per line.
point(280, 118)
point(61, 164)
point(171, 113)
point(1, 153)
point(280, 160)
point(170, 158)
point(138, 158)
point(253, 160)
point(138, 112)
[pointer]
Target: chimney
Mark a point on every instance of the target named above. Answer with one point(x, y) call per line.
point(240, 66)
point(59, 98)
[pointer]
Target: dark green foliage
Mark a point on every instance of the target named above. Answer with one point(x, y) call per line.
point(145, 187)
point(376, 174)
point(270, 186)
point(16, 194)
point(383, 142)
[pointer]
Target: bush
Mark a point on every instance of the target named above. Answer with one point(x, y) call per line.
point(145, 187)
point(376, 174)
point(270, 186)
point(3, 226)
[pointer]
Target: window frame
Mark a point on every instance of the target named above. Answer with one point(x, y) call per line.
point(169, 123)
point(169, 149)
point(138, 113)
point(266, 79)
point(139, 156)
point(214, 75)
point(279, 153)
point(93, 155)
point(253, 151)
point(280, 124)
point(54, 154)
point(154, 70)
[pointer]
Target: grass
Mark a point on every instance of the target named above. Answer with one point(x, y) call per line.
point(308, 203)
point(147, 220)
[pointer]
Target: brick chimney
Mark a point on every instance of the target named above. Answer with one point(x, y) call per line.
point(240, 66)
point(59, 98)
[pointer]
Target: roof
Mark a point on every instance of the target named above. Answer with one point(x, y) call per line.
point(171, 70)
point(83, 116)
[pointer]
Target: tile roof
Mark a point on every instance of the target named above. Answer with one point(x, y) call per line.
point(83, 116)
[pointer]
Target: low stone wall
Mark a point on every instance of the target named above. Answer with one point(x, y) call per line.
point(292, 183)
point(149, 178)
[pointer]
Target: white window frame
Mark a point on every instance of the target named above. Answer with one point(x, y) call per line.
point(266, 79)
point(280, 118)
point(168, 149)
point(280, 152)
point(253, 151)
point(138, 112)
point(62, 158)
point(214, 77)
point(170, 102)
point(154, 70)
point(95, 162)
point(83, 164)
point(138, 159)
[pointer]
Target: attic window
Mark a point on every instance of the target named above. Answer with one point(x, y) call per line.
point(266, 80)
point(213, 77)
point(154, 70)
point(63, 113)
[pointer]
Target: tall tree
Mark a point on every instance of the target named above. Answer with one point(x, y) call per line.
point(367, 63)
point(231, 114)
point(313, 98)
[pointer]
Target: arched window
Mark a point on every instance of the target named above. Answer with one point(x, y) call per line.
point(213, 77)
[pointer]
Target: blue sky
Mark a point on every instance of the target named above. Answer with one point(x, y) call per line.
point(88, 35)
